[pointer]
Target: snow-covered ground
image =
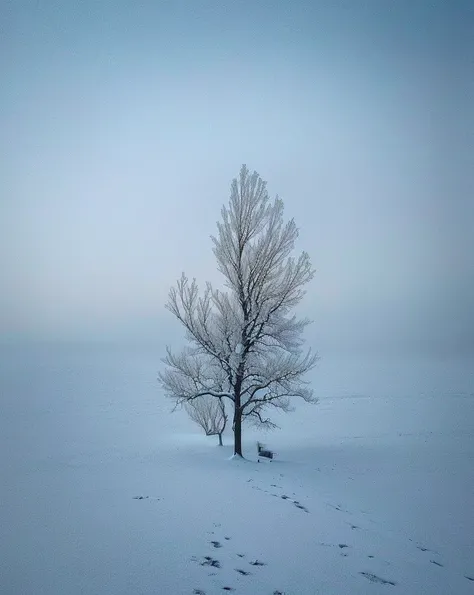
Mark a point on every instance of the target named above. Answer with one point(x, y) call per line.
point(105, 492)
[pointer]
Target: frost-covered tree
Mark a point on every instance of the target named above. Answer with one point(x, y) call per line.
point(244, 344)
point(209, 413)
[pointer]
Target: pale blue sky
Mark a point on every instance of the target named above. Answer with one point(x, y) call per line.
point(123, 124)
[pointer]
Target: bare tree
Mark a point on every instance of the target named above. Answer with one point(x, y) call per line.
point(244, 345)
point(209, 413)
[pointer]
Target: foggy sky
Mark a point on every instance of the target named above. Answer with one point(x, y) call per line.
point(123, 124)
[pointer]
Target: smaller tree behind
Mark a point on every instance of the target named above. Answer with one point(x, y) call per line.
point(209, 413)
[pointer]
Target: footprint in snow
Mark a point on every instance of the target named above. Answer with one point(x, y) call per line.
point(199, 592)
point(436, 563)
point(341, 546)
point(300, 506)
point(469, 578)
point(242, 572)
point(216, 544)
point(427, 549)
point(257, 563)
point(228, 589)
point(283, 497)
point(295, 502)
point(209, 561)
point(373, 578)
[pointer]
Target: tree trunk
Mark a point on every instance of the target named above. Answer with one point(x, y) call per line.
point(237, 425)
point(238, 431)
point(220, 439)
